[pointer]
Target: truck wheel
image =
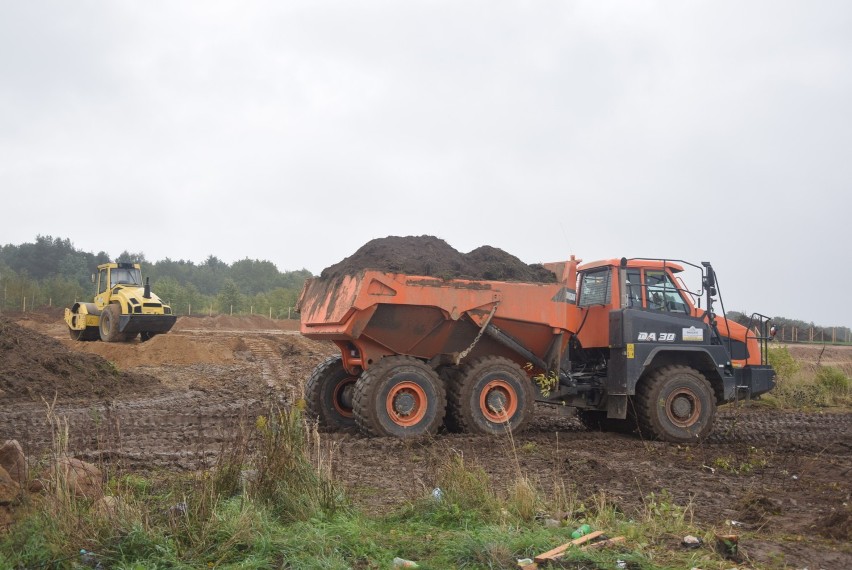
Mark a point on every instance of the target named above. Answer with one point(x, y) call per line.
point(493, 396)
point(109, 324)
point(399, 396)
point(596, 420)
point(675, 403)
point(328, 395)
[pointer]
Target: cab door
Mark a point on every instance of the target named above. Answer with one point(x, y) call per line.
point(597, 289)
point(104, 292)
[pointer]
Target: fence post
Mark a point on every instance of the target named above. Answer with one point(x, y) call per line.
point(270, 313)
point(232, 310)
point(189, 309)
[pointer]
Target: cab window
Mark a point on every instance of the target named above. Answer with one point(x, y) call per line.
point(634, 288)
point(662, 293)
point(595, 288)
point(125, 276)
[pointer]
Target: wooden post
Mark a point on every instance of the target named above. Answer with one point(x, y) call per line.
point(189, 309)
point(25, 304)
point(833, 335)
point(251, 309)
point(270, 313)
point(232, 310)
point(288, 312)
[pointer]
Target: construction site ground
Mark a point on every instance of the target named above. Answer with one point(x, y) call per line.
point(782, 476)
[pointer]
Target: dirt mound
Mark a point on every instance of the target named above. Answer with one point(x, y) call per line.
point(431, 256)
point(171, 349)
point(33, 365)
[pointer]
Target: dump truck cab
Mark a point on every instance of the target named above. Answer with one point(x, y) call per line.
point(122, 308)
point(646, 335)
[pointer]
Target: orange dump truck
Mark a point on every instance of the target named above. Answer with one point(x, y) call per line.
point(622, 341)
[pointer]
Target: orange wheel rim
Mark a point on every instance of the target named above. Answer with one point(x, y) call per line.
point(498, 401)
point(341, 398)
point(683, 407)
point(406, 404)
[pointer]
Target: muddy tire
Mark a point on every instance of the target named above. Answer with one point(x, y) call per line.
point(109, 324)
point(596, 420)
point(328, 395)
point(675, 403)
point(399, 396)
point(493, 395)
point(451, 375)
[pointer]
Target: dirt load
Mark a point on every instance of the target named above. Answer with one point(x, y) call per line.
point(433, 257)
point(785, 477)
point(33, 366)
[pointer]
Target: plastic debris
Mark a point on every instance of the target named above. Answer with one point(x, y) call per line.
point(620, 564)
point(437, 494)
point(403, 563)
point(90, 559)
point(581, 530)
point(525, 561)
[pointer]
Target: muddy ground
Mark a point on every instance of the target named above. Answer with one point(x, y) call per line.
point(784, 477)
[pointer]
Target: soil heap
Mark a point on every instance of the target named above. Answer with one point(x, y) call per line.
point(431, 256)
point(33, 365)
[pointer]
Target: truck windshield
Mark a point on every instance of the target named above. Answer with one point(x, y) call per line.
point(125, 277)
point(594, 288)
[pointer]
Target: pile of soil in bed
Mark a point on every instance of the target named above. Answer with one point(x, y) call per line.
point(33, 366)
point(431, 256)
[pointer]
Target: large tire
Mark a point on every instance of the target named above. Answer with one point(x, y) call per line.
point(494, 395)
point(329, 393)
point(675, 403)
point(399, 396)
point(452, 377)
point(109, 324)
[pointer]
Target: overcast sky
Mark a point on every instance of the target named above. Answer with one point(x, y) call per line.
point(296, 131)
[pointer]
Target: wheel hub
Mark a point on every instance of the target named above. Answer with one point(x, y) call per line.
point(403, 403)
point(407, 403)
point(496, 401)
point(683, 407)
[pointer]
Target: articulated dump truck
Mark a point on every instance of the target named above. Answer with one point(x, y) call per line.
point(622, 341)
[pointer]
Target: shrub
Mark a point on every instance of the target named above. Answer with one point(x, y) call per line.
point(833, 379)
point(783, 363)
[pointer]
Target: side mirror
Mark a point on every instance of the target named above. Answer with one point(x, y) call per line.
point(709, 278)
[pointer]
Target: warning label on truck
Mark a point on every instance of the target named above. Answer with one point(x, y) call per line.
point(694, 334)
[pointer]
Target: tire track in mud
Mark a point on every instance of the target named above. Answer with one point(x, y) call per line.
point(184, 425)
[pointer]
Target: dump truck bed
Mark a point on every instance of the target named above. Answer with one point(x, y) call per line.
point(374, 314)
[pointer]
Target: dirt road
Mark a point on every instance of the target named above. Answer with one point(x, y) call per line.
point(783, 476)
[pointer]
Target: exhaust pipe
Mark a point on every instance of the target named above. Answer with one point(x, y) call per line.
point(147, 293)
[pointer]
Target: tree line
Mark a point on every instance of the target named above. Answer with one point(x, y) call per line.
point(51, 271)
